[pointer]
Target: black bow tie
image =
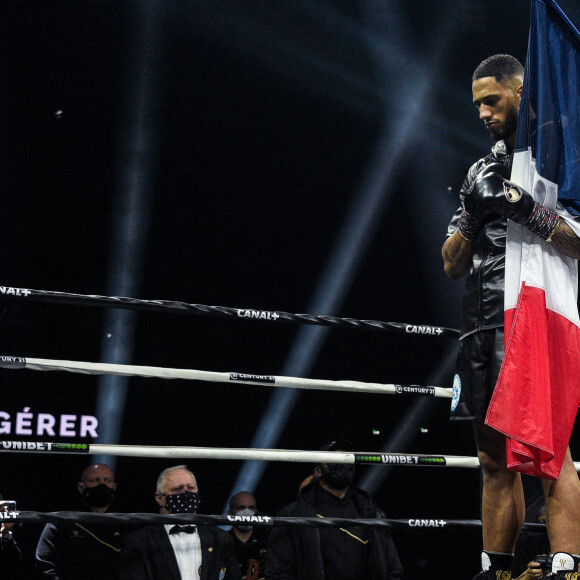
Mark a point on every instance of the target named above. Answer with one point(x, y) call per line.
point(185, 529)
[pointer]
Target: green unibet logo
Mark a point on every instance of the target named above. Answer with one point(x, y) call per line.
point(79, 446)
point(369, 458)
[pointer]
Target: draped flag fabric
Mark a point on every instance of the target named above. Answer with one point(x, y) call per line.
point(538, 391)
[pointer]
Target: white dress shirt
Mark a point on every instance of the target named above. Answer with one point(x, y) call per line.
point(187, 549)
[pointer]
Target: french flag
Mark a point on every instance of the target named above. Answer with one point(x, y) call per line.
point(538, 391)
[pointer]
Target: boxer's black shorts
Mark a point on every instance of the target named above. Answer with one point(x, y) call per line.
point(477, 369)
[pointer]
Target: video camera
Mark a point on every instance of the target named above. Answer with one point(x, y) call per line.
point(7, 506)
point(545, 562)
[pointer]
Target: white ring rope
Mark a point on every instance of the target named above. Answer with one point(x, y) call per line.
point(288, 455)
point(229, 453)
point(40, 364)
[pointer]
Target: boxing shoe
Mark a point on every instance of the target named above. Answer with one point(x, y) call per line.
point(491, 572)
point(563, 566)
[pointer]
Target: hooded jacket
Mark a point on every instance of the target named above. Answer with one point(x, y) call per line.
point(295, 552)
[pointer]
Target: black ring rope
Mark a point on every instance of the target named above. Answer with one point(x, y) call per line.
point(29, 294)
point(215, 520)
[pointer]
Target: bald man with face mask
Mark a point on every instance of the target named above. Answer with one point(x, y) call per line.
point(78, 550)
point(331, 552)
point(250, 541)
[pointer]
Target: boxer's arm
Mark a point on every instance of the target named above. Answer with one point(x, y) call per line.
point(457, 250)
point(565, 240)
point(457, 253)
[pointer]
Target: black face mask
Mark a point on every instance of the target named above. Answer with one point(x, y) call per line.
point(99, 496)
point(338, 475)
point(187, 502)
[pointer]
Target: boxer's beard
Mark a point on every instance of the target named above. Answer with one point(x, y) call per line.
point(508, 127)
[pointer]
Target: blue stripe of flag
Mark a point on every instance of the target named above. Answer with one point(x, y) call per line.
point(549, 119)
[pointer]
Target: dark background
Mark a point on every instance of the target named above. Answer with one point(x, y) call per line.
point(250, 127)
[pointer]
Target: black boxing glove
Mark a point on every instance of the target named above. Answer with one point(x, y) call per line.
point(481, 200)
point(469, 225)
point(491, 194)
point(473, 216)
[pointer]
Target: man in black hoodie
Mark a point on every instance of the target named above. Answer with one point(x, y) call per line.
point(331, 553)
point(87, 551)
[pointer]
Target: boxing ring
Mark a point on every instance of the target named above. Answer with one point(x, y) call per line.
point(376, 459)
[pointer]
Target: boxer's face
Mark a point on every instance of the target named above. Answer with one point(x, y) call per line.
point(498, 105)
